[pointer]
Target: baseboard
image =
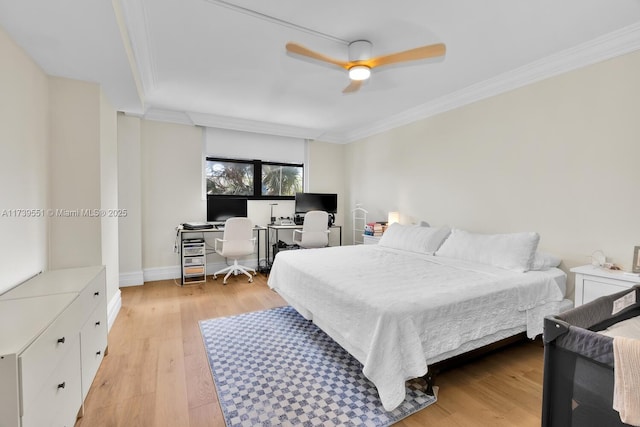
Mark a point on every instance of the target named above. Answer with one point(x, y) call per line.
point(173, 272)
point(161, 273)
point(135, 278)
point(113, 309)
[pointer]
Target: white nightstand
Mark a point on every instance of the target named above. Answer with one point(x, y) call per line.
point(593, 282)
point(370, 240)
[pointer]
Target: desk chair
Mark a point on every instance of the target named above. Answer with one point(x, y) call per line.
point(315, 230)
point(237, 241)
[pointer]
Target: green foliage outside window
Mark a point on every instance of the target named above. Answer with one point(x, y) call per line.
point(279, 180)
point(229, 177)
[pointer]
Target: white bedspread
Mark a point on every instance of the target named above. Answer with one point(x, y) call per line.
point(397, 311)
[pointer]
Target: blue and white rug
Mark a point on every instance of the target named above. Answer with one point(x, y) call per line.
point(274, 368)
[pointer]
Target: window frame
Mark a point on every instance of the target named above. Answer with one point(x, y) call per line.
point(257, 178)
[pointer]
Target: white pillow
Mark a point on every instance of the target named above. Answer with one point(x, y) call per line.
point(513, 251)
point(414, 238)
point(544, 261)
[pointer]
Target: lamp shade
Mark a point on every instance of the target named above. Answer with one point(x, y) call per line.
point(393, 217)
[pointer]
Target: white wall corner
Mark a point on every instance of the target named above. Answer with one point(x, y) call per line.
point(113, 309)
point(135, 278)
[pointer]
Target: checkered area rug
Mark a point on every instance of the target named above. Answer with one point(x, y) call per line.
point(274, 368)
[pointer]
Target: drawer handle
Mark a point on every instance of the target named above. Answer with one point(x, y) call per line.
point(98, 353)
point(98, 323)
point(61, 340)
point(62, 384)
point(96, 293)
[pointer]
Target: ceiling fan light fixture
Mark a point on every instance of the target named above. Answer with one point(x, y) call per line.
point(359, 72)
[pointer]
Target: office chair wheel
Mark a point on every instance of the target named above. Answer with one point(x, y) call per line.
point(251, 280)
point(215, 277)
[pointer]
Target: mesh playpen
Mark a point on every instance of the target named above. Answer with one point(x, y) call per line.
point(578, 385)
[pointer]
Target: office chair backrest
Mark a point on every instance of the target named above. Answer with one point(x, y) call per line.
point(315, 226)
point(238, 234)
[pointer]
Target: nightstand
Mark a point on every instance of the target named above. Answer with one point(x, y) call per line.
point(593, 282)
point(370, 240)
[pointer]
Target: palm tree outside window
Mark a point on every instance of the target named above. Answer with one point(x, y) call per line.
point(253, 179)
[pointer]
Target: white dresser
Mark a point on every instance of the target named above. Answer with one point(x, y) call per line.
point(53, 335)
point(593, 282)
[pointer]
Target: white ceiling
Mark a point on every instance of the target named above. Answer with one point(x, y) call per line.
point(223, 63)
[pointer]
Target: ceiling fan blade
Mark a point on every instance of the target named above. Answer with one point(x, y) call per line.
point(301, 50)
point(424, 52)
point(354, 86)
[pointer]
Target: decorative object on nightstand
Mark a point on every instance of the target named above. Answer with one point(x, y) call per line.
point(598, 258)
point(636, 260)
point(593, 282)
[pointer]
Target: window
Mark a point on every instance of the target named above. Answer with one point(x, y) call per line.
point(281, 179)
point(253, 179)
point(229, 177)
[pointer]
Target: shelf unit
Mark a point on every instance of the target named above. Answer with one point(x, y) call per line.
point(194, 261)
point(359, 223)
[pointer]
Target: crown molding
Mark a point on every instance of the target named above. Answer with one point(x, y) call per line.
point(617, 43)
point(135, 16)
point(168, 116)
point(245, 125)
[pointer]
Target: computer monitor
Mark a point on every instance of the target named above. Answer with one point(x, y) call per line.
point(220, 209)
point(306, 202)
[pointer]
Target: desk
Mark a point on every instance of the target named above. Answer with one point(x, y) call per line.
point(190, 234)
point(277, 228)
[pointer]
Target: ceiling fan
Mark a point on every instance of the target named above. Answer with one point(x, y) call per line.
point(361, 63)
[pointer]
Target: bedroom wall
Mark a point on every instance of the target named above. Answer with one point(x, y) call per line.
point(171, 192)
point(559, 157)
point(75, 173)
point(83, 176)
point(24, 168)
point(326, 170)
point(130, 198)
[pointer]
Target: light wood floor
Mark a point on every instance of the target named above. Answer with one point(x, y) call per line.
point(156, 372)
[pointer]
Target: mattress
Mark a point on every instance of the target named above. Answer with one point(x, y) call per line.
point(398, 311)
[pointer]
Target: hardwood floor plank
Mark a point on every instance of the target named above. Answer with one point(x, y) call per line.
point(157, 372)
point(171, 405)
point(200, 388)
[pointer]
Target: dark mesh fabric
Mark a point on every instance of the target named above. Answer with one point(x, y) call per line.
point(578, 365)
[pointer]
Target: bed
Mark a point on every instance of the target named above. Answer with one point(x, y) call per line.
point(581, 368)
point(400, 306)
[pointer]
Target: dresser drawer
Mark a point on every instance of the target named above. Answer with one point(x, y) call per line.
point(92, 295)
point(93, 342)
point(597, 288)
point(60, 397)
point(46, 352)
